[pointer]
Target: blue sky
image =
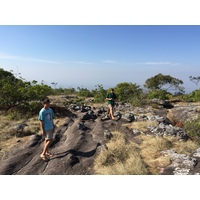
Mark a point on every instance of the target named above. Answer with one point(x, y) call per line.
point(84, 56)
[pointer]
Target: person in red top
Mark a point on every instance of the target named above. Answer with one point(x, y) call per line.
point(111, 97)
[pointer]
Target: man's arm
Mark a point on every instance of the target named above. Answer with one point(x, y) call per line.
point(42, 128)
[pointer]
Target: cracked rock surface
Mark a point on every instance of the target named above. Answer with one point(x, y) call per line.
point(84, 134)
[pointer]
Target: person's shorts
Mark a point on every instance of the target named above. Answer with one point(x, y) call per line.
point(49, 134)
point(110, 105)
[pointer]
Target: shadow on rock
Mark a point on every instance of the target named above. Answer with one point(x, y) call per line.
point(76, 153)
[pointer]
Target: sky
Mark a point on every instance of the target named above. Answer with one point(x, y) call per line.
point(88, 55)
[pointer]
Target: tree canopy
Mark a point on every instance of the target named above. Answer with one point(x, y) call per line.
point(15, 91)
point(127, 92)
point(195, 79)
point(164, 82)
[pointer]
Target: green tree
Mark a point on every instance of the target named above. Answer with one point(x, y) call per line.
point(194, 96)
point(165, 83)
point(128, 92)
point(38, 92)
point(195, 79)
point(17, 92)
point(192, 128)
point(11, 89)
point(99, 93)
point(84, 92)
point(158, 94)
point(69, 91)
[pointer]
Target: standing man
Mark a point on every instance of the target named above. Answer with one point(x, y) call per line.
point(111, 97)
point(46, 116)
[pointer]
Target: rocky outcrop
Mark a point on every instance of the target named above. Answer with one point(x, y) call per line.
point(181, 163)
point(85, 133)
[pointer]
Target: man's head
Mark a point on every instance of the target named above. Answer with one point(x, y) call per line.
point(46, 102)
point(111, 89)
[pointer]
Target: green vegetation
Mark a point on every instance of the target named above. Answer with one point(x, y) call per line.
point(194, 96)
point(17, 95)
point(192, 128)
point(129, 93)
point(22, 98)
point(164, 82)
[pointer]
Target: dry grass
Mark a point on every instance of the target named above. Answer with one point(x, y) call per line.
point(150, 152)
point(152, 146)
point(121, 158)
point(6, 145)
point(125, 158)
point(183, 147)
point(8, 132)
point(141, 125)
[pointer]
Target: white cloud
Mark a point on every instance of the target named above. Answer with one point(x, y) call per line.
point(4, 56)
point(110, 61)
point(84, 63)
point(157, 63)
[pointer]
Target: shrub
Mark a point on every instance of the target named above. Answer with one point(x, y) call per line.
point(84, 92)
point(192, 128)
point(159, 94)
point(129, 93)
point(99, 94)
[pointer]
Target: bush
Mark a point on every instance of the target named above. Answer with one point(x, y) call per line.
point(84, 92)
point(159, 94)
point(24, 111)
point(99, 94)
point(128, 92)
point(192, 128)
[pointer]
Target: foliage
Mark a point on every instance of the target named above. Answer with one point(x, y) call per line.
point(10, 94)
point(84, 92)
point(64, 91)
point(164, 82)
point(195, 79)
point(128, 92)
point(193, 96)
point(58, 91)
point(15, 92)
point(69, 91)
point(38, 92)
point(99, 94)
point(25, 110)
point(159, 94)
point(192, 128)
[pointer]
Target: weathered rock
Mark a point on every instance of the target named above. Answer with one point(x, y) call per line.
point(181, 163)
point(85, 133)
point(165, 129)
point(129, 117)
point(107, 135)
